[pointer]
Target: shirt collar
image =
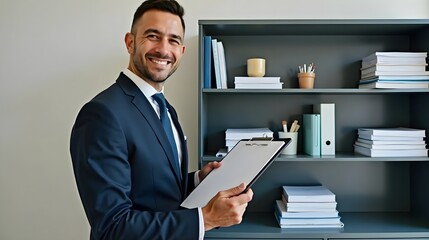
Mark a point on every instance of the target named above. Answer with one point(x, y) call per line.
point(145, 87)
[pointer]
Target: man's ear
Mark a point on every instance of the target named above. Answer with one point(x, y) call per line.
point(129, 42)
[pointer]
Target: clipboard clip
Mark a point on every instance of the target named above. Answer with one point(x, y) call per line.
point(262, 141)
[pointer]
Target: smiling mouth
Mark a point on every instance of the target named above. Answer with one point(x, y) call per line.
point(160, 61)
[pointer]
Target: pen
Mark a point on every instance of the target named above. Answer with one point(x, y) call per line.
point(284, 123)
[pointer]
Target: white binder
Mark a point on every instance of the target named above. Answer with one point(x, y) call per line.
point(327, 127)
point(244, 163)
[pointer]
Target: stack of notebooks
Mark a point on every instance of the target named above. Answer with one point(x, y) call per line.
point(394, 70)
point(391, 142)
point(307, 207)
point(234, 135)
point(257, 83)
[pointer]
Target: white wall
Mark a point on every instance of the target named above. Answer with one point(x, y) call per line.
point(56, 55)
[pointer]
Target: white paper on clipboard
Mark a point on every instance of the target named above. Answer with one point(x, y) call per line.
point(243, 164)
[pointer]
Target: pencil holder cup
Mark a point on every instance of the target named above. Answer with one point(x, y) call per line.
point(290, 149)
point(306, 79)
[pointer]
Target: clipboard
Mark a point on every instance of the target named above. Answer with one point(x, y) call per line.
point(246, 161)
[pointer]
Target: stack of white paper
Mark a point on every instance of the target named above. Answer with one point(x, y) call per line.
point(394, 70)
point(234, 135)
point(391, 142)
point(258, 83)
point(307, 207)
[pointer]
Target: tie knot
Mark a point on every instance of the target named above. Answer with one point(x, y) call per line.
point(159, 98)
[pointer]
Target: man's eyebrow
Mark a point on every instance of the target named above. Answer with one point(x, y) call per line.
point(155, 31)
point(151, 30)
point(178, 37)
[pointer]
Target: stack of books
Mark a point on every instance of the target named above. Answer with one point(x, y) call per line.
point(257, 83)
point(394, 70)
point(307, 207)
point(391, 142)
point(215, 48)
point(234, 135)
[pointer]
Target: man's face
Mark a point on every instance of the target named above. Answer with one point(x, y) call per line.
point(155, 46)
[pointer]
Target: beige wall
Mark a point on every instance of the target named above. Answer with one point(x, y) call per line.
point(56, 55)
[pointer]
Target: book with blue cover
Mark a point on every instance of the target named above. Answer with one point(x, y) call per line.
point(207, 62)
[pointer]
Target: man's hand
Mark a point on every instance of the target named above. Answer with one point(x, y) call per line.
point(227, 207)
point(207, 169)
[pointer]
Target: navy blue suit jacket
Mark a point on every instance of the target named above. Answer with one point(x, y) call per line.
point(127, 179)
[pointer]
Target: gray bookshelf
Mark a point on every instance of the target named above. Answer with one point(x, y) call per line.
point(377, 197)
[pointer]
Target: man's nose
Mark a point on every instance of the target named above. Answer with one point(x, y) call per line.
point(163, 46)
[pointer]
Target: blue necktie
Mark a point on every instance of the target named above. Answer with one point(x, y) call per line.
point(165, 120)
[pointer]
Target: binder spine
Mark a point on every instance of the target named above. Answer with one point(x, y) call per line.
point(327, 127)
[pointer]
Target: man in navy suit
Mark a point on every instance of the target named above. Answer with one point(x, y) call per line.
point(131, 179)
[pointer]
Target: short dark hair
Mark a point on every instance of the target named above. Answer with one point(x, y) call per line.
point(170, 6)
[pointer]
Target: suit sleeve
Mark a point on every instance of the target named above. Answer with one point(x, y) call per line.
point(100, 161)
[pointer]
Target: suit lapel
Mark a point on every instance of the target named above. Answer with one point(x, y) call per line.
point(147, 112)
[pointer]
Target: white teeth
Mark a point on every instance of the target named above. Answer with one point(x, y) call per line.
point(160, 62)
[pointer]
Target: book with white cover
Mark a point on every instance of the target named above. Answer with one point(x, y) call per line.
point(394, 61)
point(391, 153)
point(391, 146)
point(391, 138)
point(365, 81)
point(309, 224)
point(395, 73)
point(400, 132)
point(396, 141)
point(314, 206)
point(392, 56)
point(310, 221)
point(284, 213)
point(394, 68)
point(222, 65)
point(396, 78)
point(247, 133)
point(407, 85)
point(310, 209)
point(259, 85)
point(216, 63)
point(257, 80)
point(308, 194)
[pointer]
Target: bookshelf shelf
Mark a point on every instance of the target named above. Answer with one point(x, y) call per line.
point(379, 197)
point(314, 91)
point(366, 225)
point(339, 157)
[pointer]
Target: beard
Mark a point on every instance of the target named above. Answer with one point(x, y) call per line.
point(147, 74)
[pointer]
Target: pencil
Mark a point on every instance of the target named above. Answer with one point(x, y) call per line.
point(293, 126)
point(284, 123)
